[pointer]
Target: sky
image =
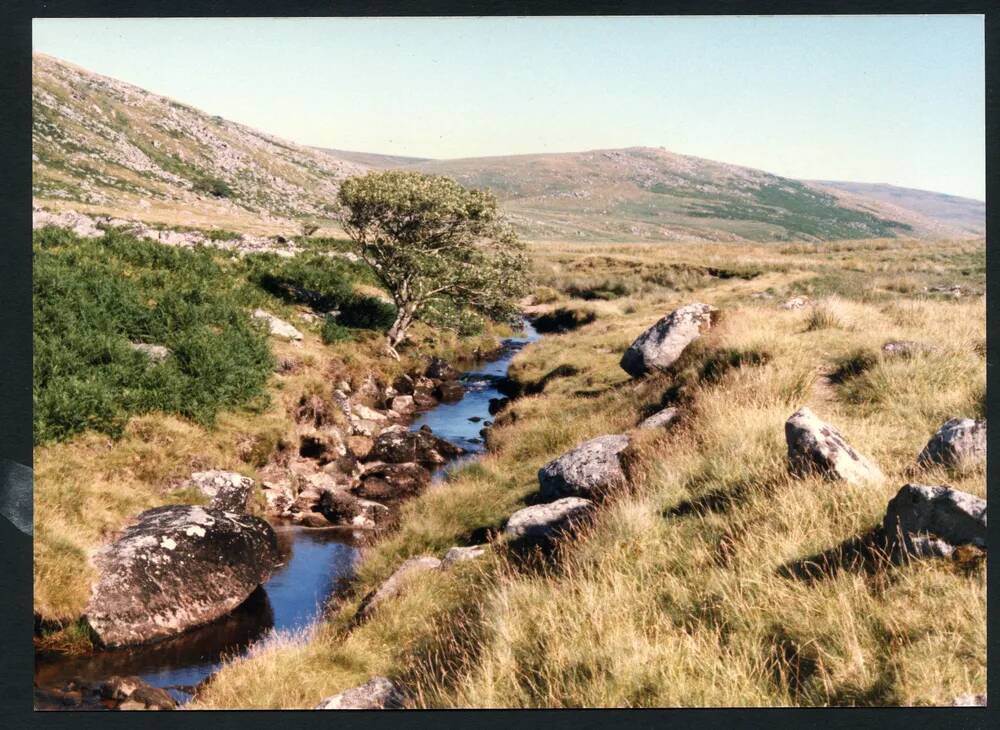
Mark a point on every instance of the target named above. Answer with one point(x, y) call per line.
point(890, 99)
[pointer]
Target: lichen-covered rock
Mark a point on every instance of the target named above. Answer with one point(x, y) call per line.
point(816, 447)
point(378, 693)
point(662, 419)
point(177, 567)
point(396, 582)
point(155, 353)
point(461, 554)
point(659, 346)
point(589, 470)
point(277, 326)
point(278, 497)
point(228, 490)
point(959, 442)
point(956, 517)
point(541, 523)
point(424, 447)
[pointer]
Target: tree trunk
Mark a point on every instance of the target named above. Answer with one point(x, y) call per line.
point(397, 333)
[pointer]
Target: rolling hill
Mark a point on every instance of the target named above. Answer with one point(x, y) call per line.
point(102, 146)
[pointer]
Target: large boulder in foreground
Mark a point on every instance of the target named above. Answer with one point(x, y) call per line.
point(659, 347)
point(542, 523)
point(378, 693)
point(177, 567)
point(959, 442)
point(816, 447)
point(956, 517)
point(589, 470)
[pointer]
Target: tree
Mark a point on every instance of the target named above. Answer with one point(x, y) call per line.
point(441, 250)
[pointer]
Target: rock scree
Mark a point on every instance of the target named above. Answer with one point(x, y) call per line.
point(589, 470)
point(378, 693)
point(959, 442)
point(177, 567)
point(659, 346)
point(952, 516)
point(816, 447)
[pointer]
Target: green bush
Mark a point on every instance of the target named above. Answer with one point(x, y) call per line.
point(334, 332)
point(92, 297)
point(213, 186)
point(370, 313)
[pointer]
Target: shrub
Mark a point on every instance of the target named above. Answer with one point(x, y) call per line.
point(91, 298)
point(212, 186)
point(369, 313)
point(334, 332)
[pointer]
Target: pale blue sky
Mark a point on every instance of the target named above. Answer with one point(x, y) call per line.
point(896, 99)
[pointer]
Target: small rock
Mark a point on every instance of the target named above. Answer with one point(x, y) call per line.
point(423, 401)
point(659, 346)
point(368, 414)
point(959, 442)
point(957, 517)
point(541, 523)
point(461, 554)
point(589, 470)
point(663, 419)
point(228, 490)
point(378, 693)
point(403, 404)
point(278, 327)
point(903, 348)
point(450, 391)
point(314, 520)
point(816, 447)
point(439, 369)
point(396, 582)
point(796, 303)
point(155, 353)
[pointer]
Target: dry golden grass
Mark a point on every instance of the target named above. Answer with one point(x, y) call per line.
point(691, 590)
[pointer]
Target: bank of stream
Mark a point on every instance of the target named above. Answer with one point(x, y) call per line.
point(314, 562)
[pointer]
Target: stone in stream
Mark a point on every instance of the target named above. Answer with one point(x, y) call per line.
point(816, 447)
point(952, 516)
point(395, 583)
point(177, 567)
point(278, 327)
point(132, 693)
point(589, 470)
point(459, 554)
point(421, 446)
point(959, 442)
point(450, 391)
point(228, 490)
point(343, 508)
point(542, 523)
point(662, 419)
point(439, 369)
point(659, 346)
point(378, 693)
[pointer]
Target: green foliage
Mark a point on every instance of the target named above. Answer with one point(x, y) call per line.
point(440, 250)
point(213, 186)
point(334, 332)
point(221, 234)
point(92, 297)
point(370, 313)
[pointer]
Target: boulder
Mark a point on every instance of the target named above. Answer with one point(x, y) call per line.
point(422, 385)
point(378, 693)
point(423, 401)
point(541, 523)
point(396, 582)
point(403, 384)
point(177, 567)
point(816, 447)
point(278, 327)
point(343, 508)
point(663, 419)
point(403, 404)
point(956, 517)
point(228, 490)
point(903, 348)
point(278, 497)
point(461, 554)
point(439, 369)
point(314, 520)
point(155, 353)
point(397, 447)
point(368, 414)
point(659, 346)
point(136, 693)
point(392, 482)
point(959, 442)
point(450, 391)
point(589, 470)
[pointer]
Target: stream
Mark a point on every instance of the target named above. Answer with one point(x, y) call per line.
point(314, 562)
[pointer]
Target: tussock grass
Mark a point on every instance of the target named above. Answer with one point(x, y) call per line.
point(683, 591)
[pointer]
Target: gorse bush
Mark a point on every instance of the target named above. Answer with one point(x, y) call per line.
point(92, 298)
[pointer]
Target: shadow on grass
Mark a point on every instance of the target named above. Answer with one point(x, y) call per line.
point(868, 554)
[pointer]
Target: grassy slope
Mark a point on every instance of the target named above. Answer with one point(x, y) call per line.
point(674, 597)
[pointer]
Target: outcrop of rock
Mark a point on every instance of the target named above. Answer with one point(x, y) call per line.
point(228, 490)
point(663, 419)
point(659, 347)
point(278, 327)
point(155, 353)
point(541, 523)
point(589, 470)
point(396, 582)
point(177, 567)
point(378, 693)
point(396, 447)
point(953, 516)
point(461, 554)
point(959, 442)
point(816, 447)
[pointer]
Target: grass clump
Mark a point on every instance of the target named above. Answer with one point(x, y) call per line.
point(93, 297)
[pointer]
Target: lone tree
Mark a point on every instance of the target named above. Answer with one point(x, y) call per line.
point(442, 251)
